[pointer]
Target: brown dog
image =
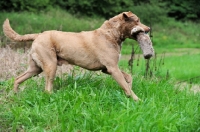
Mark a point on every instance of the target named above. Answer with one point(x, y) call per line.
point(92, 50)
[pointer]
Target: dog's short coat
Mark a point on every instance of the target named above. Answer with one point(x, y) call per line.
point(92, 50)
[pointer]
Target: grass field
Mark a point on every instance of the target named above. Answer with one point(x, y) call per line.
point(94, 102)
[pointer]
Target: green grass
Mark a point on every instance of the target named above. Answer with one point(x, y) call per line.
point(181, 67)
point(98, 105)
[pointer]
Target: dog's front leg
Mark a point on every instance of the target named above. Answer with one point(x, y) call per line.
point(124, 80)
point(129, 80)
point(127, 77)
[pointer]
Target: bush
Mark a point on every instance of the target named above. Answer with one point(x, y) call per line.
point(148, 11)
point(25, 5)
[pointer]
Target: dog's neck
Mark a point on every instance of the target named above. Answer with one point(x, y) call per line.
point(113, 29)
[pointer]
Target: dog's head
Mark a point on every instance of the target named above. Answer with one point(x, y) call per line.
point(134, 29)
point(132, 25)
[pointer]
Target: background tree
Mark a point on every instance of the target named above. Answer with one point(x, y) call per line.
point(148, 9)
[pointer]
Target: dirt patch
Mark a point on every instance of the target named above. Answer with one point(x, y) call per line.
point(192, 87)
point(183, 51)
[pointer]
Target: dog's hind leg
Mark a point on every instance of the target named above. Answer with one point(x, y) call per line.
point(49, 68)
point(50, 72)
point(46, 58)
point(124, 80)
point(32, 70)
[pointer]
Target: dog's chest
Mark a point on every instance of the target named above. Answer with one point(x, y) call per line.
point(120, 45)
point(119, 57)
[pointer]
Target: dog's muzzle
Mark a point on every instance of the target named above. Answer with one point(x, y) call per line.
point(144, 41)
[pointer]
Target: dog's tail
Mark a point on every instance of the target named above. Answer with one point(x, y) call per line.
point(10, 33)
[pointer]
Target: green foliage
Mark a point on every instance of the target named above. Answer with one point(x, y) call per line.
point(149, 10)
point(106, 8)
point(145, 9)
point(25, 5)
point(150, 14)
point(184, 10)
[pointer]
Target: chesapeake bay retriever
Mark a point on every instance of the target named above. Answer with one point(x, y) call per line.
point(92, 50)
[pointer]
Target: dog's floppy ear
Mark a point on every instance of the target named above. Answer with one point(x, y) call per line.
point(126, 15)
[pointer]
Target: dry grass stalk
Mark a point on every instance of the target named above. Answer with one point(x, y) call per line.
point(13, 63)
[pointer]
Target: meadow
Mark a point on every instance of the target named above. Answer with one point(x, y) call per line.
point(85, 101)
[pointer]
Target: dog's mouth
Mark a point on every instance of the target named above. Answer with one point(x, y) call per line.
point(135, 31)
point(144, 41)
